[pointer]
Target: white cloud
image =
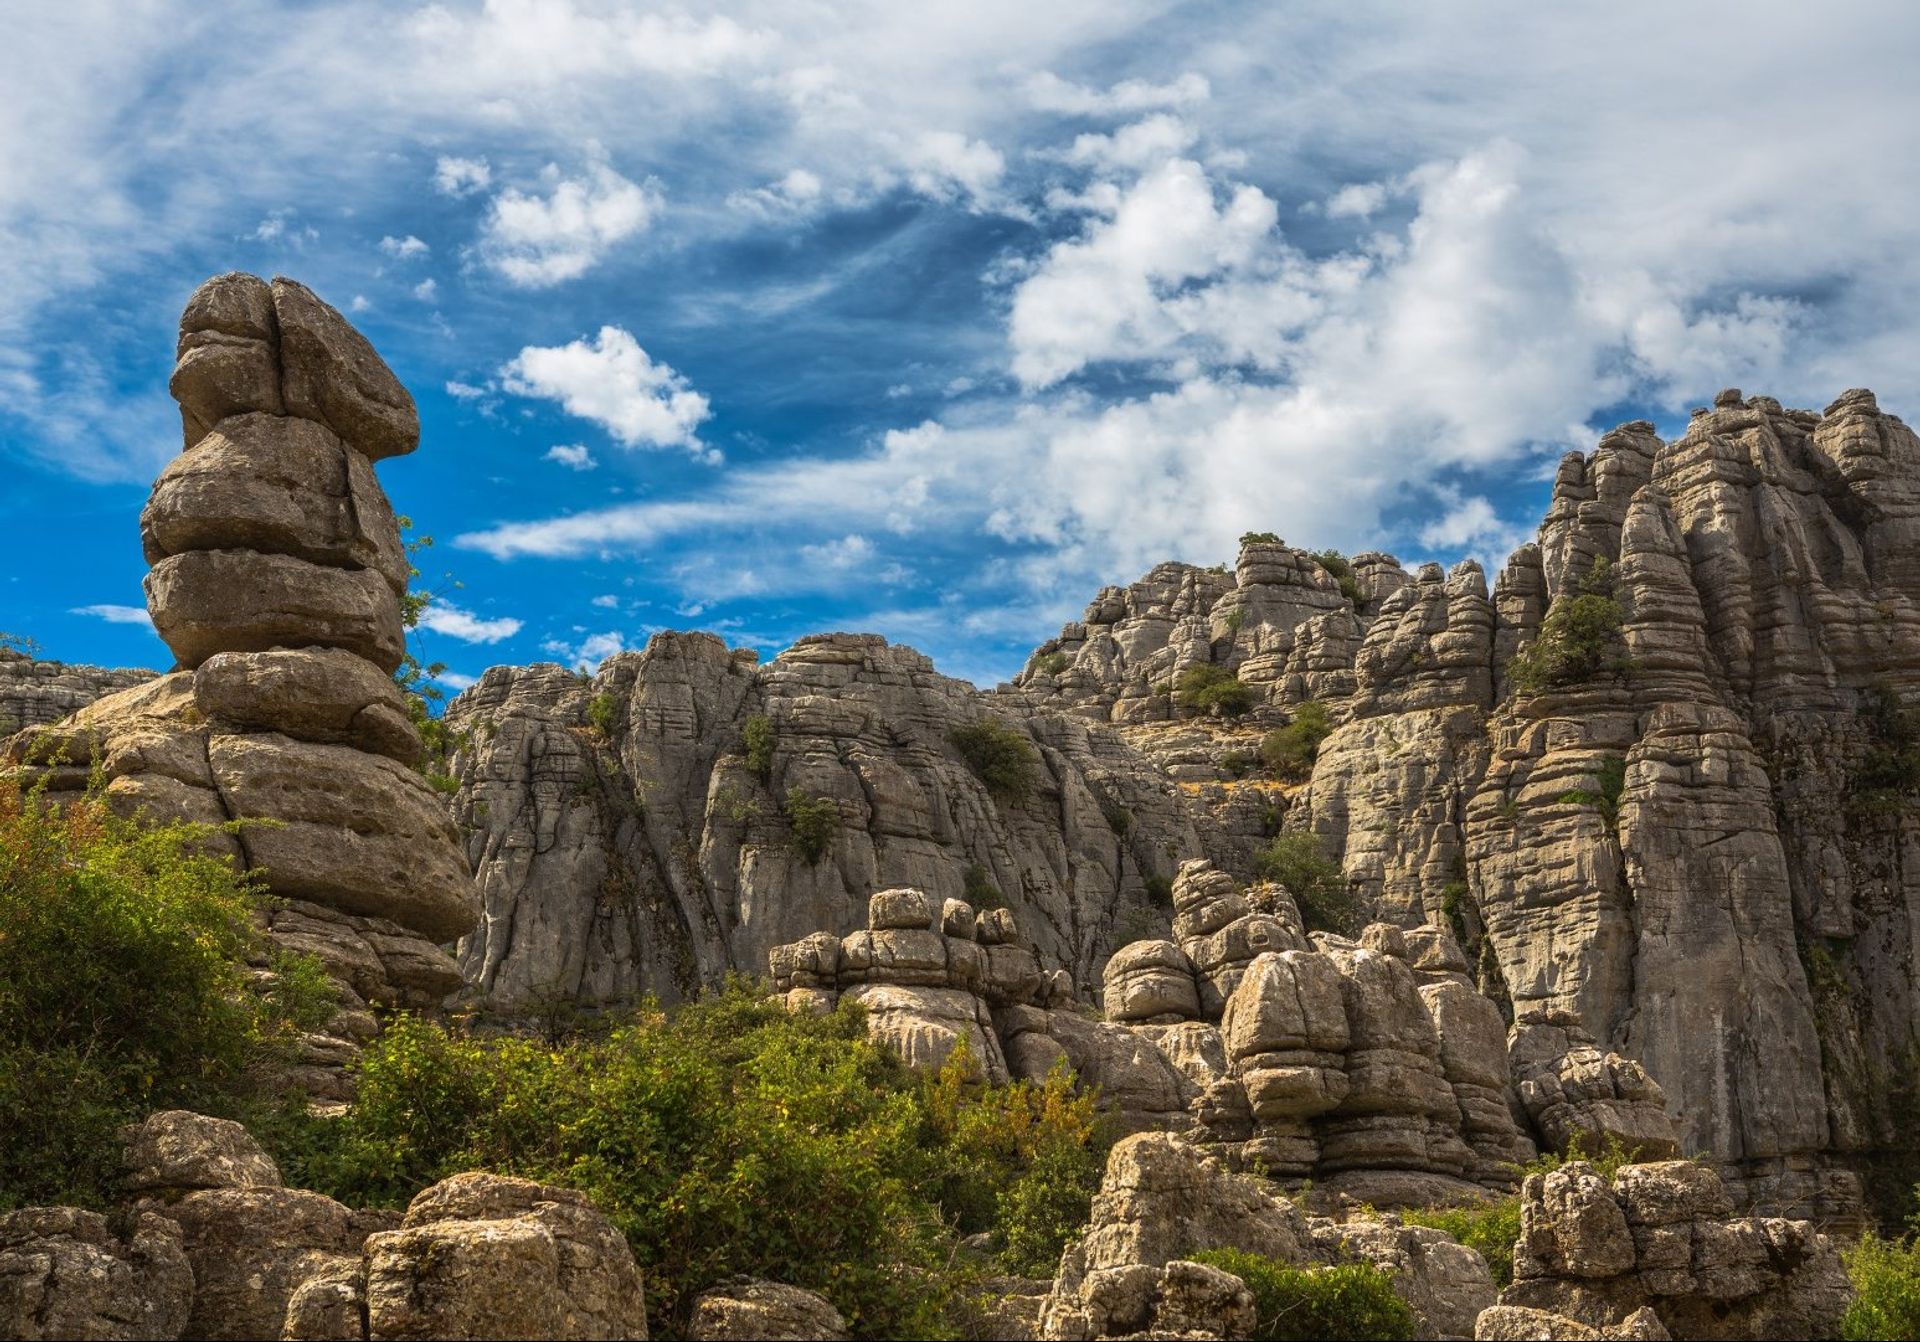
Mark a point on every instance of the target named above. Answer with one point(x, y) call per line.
point(573, 455)
point(360, 303)
point(115, 614)
point(850, 551)
point(613, 382)
point(1357, 200)
point(464, 625)
point(1050, 93)
point(455, 681)
point(466, 391)
point(947, 165)
point(404, 249)
point(589, 652)
point(607, 601)
point(535, 241)
point(1138, 145)
point(797, 191)
point(459, 177)
point(426, 290)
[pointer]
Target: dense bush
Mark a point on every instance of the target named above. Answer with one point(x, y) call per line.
point(603, 710)
point(814, 821)
point(1352, 1300)
point(1491, 1231)
point(1341, 568)
point(730, 1136)
point(1000, 756)
point(1052, 663)
point(1319, 888)
point(1886, 1277)
point(1289, 751)
point(1210, 689)
point(757, 734)
point(1258, 538)
point(124, 989)
point(980, 891)
point(1578, 641)
point(1160, 890)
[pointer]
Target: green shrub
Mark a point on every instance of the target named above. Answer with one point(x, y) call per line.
point(1352, 1300)
point(1341, 568)
point(1119, 819)
point(1289, 751)
point(1236, 619)
point(1160, 890)
point(1299, 862)
point(1000, 756)
point(1887, 776)
point(1052, 663)
point(730, 1136)
point(814, 820)
point(1238, 763)
point(602, 712)
point(1210, 689)
point(124, 988)
point(1258, 538)
point(1491, 1231)
point(760, 738)
point(1578, 641)
point(1611, 774)
point(980, 890)
point(1886, 1276)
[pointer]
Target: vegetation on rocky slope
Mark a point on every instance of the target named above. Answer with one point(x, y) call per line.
point(1886, 1273)
point(729, 1136)
point(1351, 1300)
point(1579, 640)
point(124, 988)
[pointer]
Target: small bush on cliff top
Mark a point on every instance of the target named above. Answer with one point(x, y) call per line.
point(124, 989)
point(730, 1136)
point(1353, 1300)
point(999, 756)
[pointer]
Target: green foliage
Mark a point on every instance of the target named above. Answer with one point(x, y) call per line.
point(730, 1136)
point(1341, 568)
point(416, 678)
point(1000, 756)
point(124, 989)
point(1611, 774)
point(602, 712)
point(1300, 862)
point(1886, 1278)
point(1238, 763)
point(1490, 1230)
point(1236, 619)
point(1579, 640)
point(1160, 890)
point(1052, 663)
point(980, 890)
point(1887, 778)
point(1258, 538)
point(815, 820)
point(760, 738)
point(1210, 689)
point(1289, 751)
point(1351, 1300)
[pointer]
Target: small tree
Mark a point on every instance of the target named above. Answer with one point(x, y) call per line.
point(815, 820)
point(1319, 888)
point(602, 713)
point(760, 738)
point(1000, 757)
point(1290, 751)
point(1580, 640)
point(1212, 690)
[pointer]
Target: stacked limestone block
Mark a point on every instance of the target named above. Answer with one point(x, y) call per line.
point(1662, 1236)
point(277, 577)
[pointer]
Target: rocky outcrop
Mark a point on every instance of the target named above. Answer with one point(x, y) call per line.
point(65, 1273)
point(277, 576)
point(750, 1309)
point(627, 839)
point(1662, 1237)
point(36, 693)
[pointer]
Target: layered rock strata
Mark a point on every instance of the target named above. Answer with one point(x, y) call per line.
point(35, 693)
point(277, 577)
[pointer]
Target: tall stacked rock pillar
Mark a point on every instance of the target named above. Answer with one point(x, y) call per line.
point(277, 577)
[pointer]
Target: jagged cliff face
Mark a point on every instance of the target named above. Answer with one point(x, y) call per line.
point(624, 842)
point(36, 693)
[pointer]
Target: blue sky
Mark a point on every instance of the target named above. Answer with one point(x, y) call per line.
point(930, 320)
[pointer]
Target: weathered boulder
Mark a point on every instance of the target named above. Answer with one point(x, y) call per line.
point(64, 1273)
point(481, 1255)
point(751, 1308)
point(1575, 1094)
point(175, 1152)
point(251, 1248)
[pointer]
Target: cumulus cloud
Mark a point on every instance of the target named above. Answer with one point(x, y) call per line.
point(613, 382)
point(115, 614)
point(946, 165)
point(572, 455)
point(458, 177)
point(404, 249)
point(1138, 145)
point(444, 618)
point(1357, 200)
point(535, 241)
point(426, 290)
point(587, 654)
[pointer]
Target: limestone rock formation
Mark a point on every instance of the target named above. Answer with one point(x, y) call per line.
point(277, 576)
point(651, 848)
point(35, 693)
point(64, 1273)
point(1662, 1237)
point(175, 1152)
point(745, 1310)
